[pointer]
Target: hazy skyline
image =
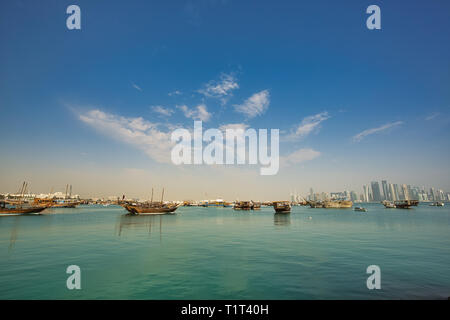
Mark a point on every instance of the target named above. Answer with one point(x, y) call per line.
point(95, 107)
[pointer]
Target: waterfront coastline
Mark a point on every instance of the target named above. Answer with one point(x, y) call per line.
point(212, 253)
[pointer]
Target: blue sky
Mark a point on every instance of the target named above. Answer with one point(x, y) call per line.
point(314, 62)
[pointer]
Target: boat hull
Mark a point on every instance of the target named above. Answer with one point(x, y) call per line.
point(338, 204)
point(283, 210)
point(20, 211)
point(281, 207)
point(149, 210)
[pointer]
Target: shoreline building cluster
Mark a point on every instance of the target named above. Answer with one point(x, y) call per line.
point(340, 195)
point(394, 192)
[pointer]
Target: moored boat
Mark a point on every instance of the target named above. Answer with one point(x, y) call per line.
point(437, 204)
point(403, 204)
point(282, 206)
point(243, 205)
point(339, 204)
point(256, 205)
point(18, 209)
point(149, 208)
point(389, 205)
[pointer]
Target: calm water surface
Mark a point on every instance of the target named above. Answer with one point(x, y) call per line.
point(218, 253)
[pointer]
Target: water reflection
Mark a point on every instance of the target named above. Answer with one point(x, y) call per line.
point(151, 223)
point(282, 219)
point(14, 232)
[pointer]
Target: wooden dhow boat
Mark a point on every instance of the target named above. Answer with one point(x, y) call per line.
point(7, 208)
point(437, 204)
point(389, 205)
point(282, 206)
point(256, 205)
point(19, 206)
point(150, 207)
point(243, 205)
point(339, 204)
point(334, 204)
point(403, 204)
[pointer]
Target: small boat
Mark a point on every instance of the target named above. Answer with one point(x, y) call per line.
point(18, 209)
point(204, 203)
point(316, 204)
point(256, 205)
point(339, 204)
point(282, 206)
point(389, 205)
point(414, 203)
point(437, 204)
point(149, 208)
point(227, 205)
point(403, 204)
point(65, 204)
point(243, 205)
point(360, 209)
point(216, 203)
point(53, 203)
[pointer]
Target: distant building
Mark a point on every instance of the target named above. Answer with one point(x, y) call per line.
point(405, 192)
point(366, 193)
point(376, 193)
point(398, 190)
point(393, 193)
point(441, 195)
point(385, 188)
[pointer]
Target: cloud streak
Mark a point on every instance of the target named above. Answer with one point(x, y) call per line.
point(308, 125)
point(256, 105)
point(198, 113)
point(358, 137)
point(174, 93)
point(141, 134)
point(432, 116)
point(300, 156)
point(136, 86)
point(221, 89)
point(162, 111)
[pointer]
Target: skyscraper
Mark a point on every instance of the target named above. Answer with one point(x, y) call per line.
point(376, 193)
point(392, 193)
point(405, 192)
point(385, 187)
point(366, 193)
point(399, 192)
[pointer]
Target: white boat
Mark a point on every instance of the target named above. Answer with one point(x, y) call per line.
point(437, 204)
point(389, 205)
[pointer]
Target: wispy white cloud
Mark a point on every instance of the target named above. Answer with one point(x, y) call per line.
point(256, 105)
point(300, 156)
point(136, 86)
point(221, 89)
point(365, 133)
point(162, 110)
point(432, 116)
point(308, 125)
point(174, 93)
point(200, 112)
point(137, 132)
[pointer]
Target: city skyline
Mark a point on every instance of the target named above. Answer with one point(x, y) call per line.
point(391, 192)
point(351, 104)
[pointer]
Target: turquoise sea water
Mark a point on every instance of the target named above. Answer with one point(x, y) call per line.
point(218, 253)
